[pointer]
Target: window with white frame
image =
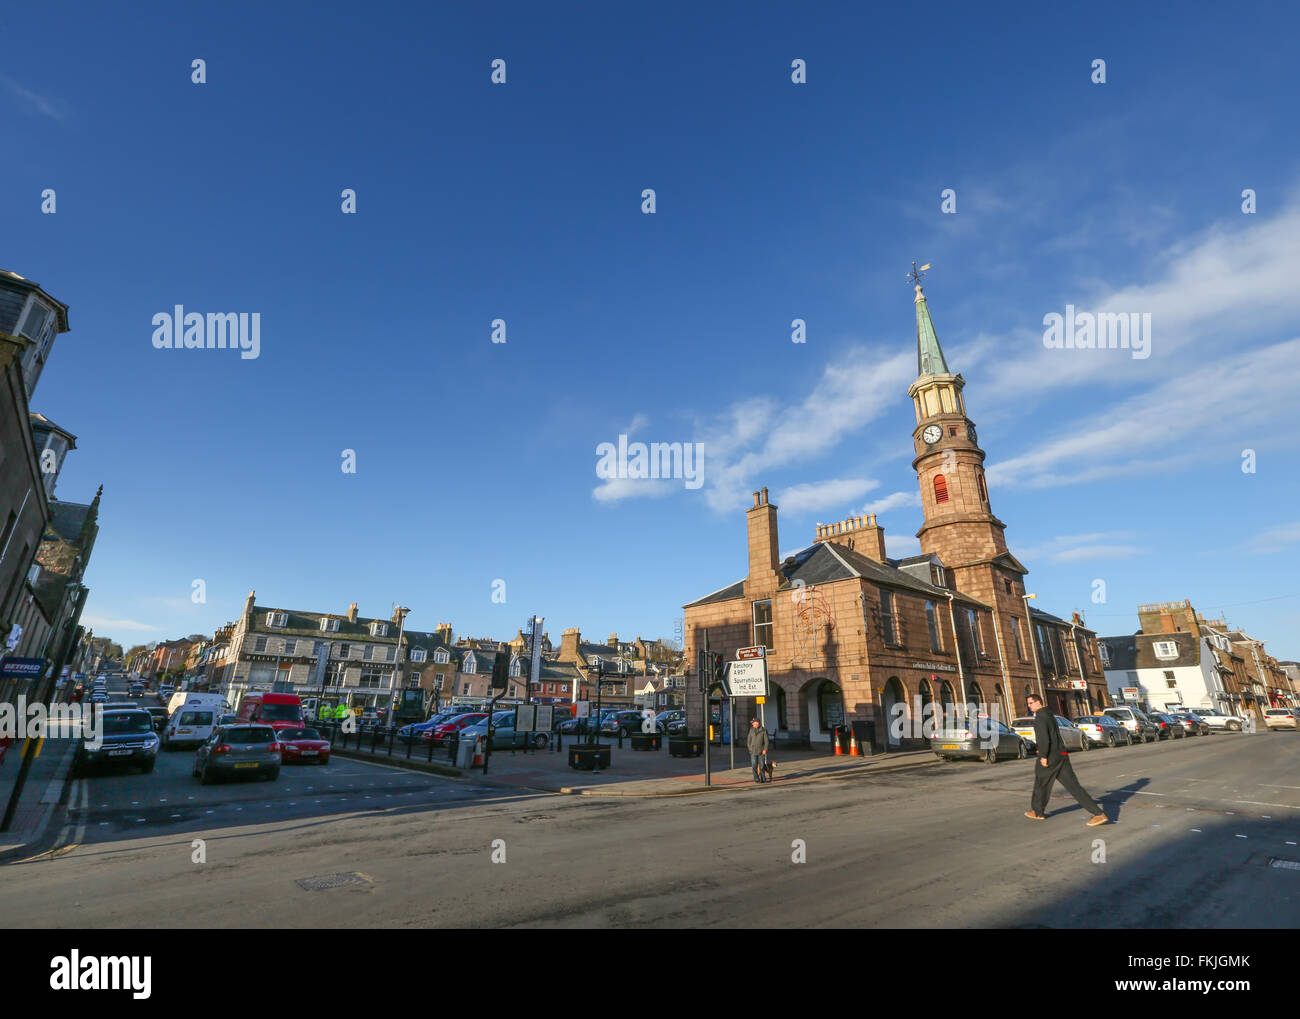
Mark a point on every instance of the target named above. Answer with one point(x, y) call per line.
point(418, 654)
point(345, 650)
point(887, 617)
point(330, 625)
point(378, 629)
point(514, 668)
point(369, 653)
point(415, 677)
point(932, 623)
point(441, 657)
point(259, 645)
point(290, 647)
point(976, 639)
point(1166, 649)
point(513, 691)
point(762, 612)
point(34, 324)
point(371, 679)
point(276, 618)
point(1105, 654)
point(470, 664)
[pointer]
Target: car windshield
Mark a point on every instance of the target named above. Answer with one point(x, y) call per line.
point(256, 734)
point(1087, 720)
point(282, 712)
point(116, 725)
point(195, 718)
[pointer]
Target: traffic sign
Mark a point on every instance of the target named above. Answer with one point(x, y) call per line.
point(746, 654)
point(747, 679)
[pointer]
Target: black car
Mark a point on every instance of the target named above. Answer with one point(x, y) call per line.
point(666, 718)
point(121, 737)
point(1193, 723)
point(1170, 727)
point(159, 715)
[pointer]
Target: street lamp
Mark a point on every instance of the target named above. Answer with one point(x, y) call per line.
point(1031, 633)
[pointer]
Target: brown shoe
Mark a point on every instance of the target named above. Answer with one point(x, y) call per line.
point(1098, 819)
point(1034, 817)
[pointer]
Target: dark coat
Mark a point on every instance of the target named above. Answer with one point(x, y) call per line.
point(756, 741)
point(1047, 734)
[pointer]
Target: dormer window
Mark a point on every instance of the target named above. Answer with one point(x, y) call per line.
point(514, 665)
point(938, 575)
point(378, 629)
point(418, 654)
point(470, 664)
point(276, 618)
point(1105, 654)
point(34, 324)
point(1166, 649)
point(329, 625)
point(441, 657)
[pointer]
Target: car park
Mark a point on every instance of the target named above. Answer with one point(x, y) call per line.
point(124, 737)
point(1281, 718)
point(236, 750)
point(1140, 728)
point(1193, 723)
point(1103, 730)
point(1220, 721)
point(303, 746)
point(984, 738)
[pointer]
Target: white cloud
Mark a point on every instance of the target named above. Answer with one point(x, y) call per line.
point(1073, 548)
point(817, 495)
point(1275, 539)
point(43, 105)
point(102, 623)
point(618, 489)
point(893, 501)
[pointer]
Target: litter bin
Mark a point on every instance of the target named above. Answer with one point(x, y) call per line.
point(465, 753)
point(865, 734)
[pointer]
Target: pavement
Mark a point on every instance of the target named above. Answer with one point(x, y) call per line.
point(656, 774)
point(31, 827)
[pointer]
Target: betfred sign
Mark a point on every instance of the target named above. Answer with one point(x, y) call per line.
point(21, 668)
point(748, 654)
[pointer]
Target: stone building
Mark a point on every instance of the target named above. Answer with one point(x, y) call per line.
point(854, 636)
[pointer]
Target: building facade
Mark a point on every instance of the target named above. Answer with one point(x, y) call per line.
point(854, 637)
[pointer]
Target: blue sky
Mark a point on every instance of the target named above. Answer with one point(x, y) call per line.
point(775, 201)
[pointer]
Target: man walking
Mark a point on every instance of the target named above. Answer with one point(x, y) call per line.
point(756, 742)
point(1053, 764)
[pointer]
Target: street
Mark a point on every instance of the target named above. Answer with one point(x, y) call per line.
point(1199, 821)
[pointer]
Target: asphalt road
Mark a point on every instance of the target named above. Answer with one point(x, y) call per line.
point(1199, 821)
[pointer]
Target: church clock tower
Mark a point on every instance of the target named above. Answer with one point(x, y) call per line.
point(959, 523)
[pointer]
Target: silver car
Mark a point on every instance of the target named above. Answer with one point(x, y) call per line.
point(238, 750)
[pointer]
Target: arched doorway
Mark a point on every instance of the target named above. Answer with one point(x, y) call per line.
point(781, 719)
point(927, 712)
point(1001, 697)
point(823, 707)
point(898, 721)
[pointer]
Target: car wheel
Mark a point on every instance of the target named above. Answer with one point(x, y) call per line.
point(1087, 743)
point(1234, 727)
point(539, 741)
point(991, 756)
point(1110, 740)
point(1022, 750)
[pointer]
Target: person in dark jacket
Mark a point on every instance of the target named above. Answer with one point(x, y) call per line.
point(756, 742)
point(1054, 764)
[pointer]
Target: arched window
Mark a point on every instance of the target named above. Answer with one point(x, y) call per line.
point(940, 488)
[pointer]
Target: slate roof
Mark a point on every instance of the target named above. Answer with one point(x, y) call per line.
point(1135, 651)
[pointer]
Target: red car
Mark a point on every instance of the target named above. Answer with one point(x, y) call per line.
point(303, 746)
point(442, 733)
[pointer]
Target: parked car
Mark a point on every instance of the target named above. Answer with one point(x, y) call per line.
point(452, 727)
point(1071, 736)
point(1193, 723)
point(1141, 728)
point(988, 740)
point(1103, 730)
point(125, 737)
point(504, 736)
point(424, 730)
point(1281, 718)
point(664, 718)
point(238, 750)
point(584, 725)
point(1219, 721)
point(165, 692)
point(303, 746)
point(1170, 727)
point(677, 727)
point(622, 723)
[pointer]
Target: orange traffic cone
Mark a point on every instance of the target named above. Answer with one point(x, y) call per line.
point(835, 737)
point(478, 752)
point(853, 745)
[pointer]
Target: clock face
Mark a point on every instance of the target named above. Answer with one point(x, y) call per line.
point(932, 434)
point(970, 430)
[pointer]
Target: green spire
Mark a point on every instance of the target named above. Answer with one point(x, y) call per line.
point(929, 355)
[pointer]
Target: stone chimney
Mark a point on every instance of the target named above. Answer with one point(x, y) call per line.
point(861, 534)
point(248, 606)
point(443, 632)
point(352, 613)
point(569, 644)
point(763, 555)
point(613, 640)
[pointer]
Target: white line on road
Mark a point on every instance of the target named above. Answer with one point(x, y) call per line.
point(1140, 792)
point(1195, 829)
point(1267, 786)
point(1239, 836)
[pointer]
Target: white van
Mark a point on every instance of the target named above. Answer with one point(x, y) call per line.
point(193, 718)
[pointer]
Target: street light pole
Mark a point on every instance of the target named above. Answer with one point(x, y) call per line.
point(1032, 633)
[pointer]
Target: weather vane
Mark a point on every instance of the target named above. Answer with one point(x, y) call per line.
point(916, 274)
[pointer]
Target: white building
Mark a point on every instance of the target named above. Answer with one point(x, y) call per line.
point(1170, 672)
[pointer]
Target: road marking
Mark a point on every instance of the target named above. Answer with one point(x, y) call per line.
point(1239, 836)
point(1267, 786)
point(1261, 803)
point(1195, 829)
point(1140, 792)
point(1290, 843)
